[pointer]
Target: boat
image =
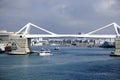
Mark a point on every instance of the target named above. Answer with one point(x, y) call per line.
point(44, 52)
point(56, 48)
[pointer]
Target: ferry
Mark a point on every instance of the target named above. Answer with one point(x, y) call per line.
point(44, 52)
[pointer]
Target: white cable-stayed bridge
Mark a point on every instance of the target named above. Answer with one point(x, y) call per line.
point(23, 37)
point(26, 32)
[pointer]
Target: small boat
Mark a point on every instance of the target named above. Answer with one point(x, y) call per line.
point(56, 48)
point(44, 52)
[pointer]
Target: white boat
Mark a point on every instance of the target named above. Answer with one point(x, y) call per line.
point(44, 52)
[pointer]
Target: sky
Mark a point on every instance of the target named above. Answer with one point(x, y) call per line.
point(59, 16)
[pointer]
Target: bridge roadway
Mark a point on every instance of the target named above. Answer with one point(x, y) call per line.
point(71, 35)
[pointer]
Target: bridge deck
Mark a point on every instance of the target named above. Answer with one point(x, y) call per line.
point(68, 35)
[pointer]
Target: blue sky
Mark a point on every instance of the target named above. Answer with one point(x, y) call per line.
point(59, 16)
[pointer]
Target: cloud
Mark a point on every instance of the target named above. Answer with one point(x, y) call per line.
point(59, 15)
point(65, 18)
point(108, 7)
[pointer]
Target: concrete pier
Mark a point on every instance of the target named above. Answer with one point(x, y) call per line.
point(117, 48)
point(15, 43)
point(22, 46)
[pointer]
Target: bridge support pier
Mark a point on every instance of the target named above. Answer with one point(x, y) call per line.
point(117, 48)
point(22, 46)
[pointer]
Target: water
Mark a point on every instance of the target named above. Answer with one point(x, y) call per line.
point(68, 63)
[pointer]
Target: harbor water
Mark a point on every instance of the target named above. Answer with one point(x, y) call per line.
point(67, 63)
